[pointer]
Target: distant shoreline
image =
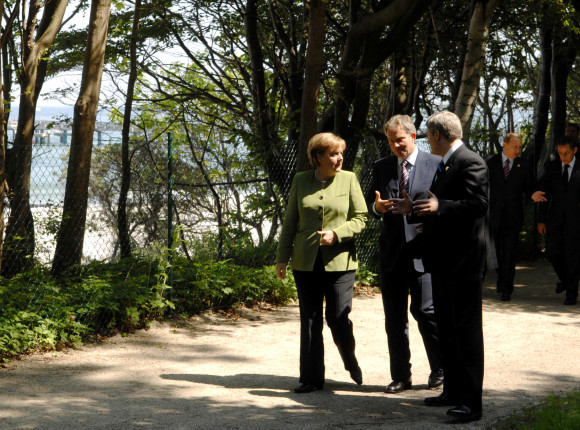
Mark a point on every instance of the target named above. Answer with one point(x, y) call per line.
point(49, 113)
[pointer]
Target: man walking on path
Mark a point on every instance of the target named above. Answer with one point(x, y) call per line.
point(559, 196)
point(510, 177)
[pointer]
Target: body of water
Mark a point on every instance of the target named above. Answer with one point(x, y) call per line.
point(49, 163)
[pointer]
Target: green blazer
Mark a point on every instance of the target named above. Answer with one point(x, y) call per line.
point(338, 205)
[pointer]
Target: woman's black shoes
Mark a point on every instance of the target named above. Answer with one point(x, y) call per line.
point(307, 388)
point(356, 375)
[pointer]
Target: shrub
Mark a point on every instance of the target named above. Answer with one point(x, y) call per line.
point(38, 312)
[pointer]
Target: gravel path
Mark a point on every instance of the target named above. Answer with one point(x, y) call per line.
point(220, 373)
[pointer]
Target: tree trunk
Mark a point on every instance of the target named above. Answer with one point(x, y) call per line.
point(474, 61)
point(363, 53)
point(18, 251)
point(69, 245)
point(398, 88)
point(122, 220)
point(295, 46)
point(563, 56)
point(313, 70)
point(267, 138)
point(542, 102)
point(3, 133)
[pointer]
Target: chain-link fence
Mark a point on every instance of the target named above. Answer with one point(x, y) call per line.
point(50, 153)
point(225, 206)
point(235, 214)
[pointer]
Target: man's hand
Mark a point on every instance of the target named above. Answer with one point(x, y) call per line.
point(401, 206)
point(327, 237)
point(381, 206)
point(428, 206)
point(538, 196)
point(281, 270)
point(542, 228)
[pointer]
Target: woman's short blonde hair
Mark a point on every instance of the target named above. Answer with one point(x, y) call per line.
point(319, 144)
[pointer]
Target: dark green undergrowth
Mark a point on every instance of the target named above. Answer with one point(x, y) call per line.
point(562, 413)
point(39, 312)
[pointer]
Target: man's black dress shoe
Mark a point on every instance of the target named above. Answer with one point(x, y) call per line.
point(570, 301)
point(505, 297)
point(307, 388)
point(560, 287)
point(398, 386)
point(443, 399)
point(463, 414)
point(356, 375)
point(435, 379)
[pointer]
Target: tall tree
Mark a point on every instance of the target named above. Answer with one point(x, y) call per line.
point(314, 64)
point(544, 88)
point(474, 61)
point(364, 51)
point(36, 40)
point(122, 219)
point(564, 53)
point(3, 129)
point(70, 238)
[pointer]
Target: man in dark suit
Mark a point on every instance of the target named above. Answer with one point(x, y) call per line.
point(510, 177)
point(572, 130)
point(560, 217)
point(454, 235)
point(407, 171)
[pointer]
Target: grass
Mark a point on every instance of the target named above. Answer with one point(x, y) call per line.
point(561, 413)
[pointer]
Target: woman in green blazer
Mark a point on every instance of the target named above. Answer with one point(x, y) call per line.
point(325, 211)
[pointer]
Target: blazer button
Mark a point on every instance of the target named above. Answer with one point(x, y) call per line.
point(321, 197)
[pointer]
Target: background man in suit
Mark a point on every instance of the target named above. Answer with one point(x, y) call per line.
point(560, 217)
point(411, 171)
point(573, 130)
point(510, 177)
point(454, 229)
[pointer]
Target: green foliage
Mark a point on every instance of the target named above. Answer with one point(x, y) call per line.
point(365, 277)
point(38, 312)
point(199, 286)
point(242, 251)
point(561, 413)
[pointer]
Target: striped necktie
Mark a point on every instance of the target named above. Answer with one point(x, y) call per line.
point(404, 182)
point(506, 169)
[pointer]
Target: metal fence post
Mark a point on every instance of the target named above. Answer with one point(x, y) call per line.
point(170, 207)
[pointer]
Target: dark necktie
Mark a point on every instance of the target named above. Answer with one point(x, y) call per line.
point(565, 177)
point(506, 169)
point(439, 171)
point(404, 182)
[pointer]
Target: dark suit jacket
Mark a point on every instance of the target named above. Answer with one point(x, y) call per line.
point(455, 242)
point(563, 207)
point(385, 180)
point(506, 196)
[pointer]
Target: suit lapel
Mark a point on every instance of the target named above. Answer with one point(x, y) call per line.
point(497, 166)
point(575, 175)
point(448, 167)
point(418, 172)
point(576, 169)
point(392, 184)
point(515, 170)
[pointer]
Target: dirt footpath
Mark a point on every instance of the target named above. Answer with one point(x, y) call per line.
point(219, 373)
